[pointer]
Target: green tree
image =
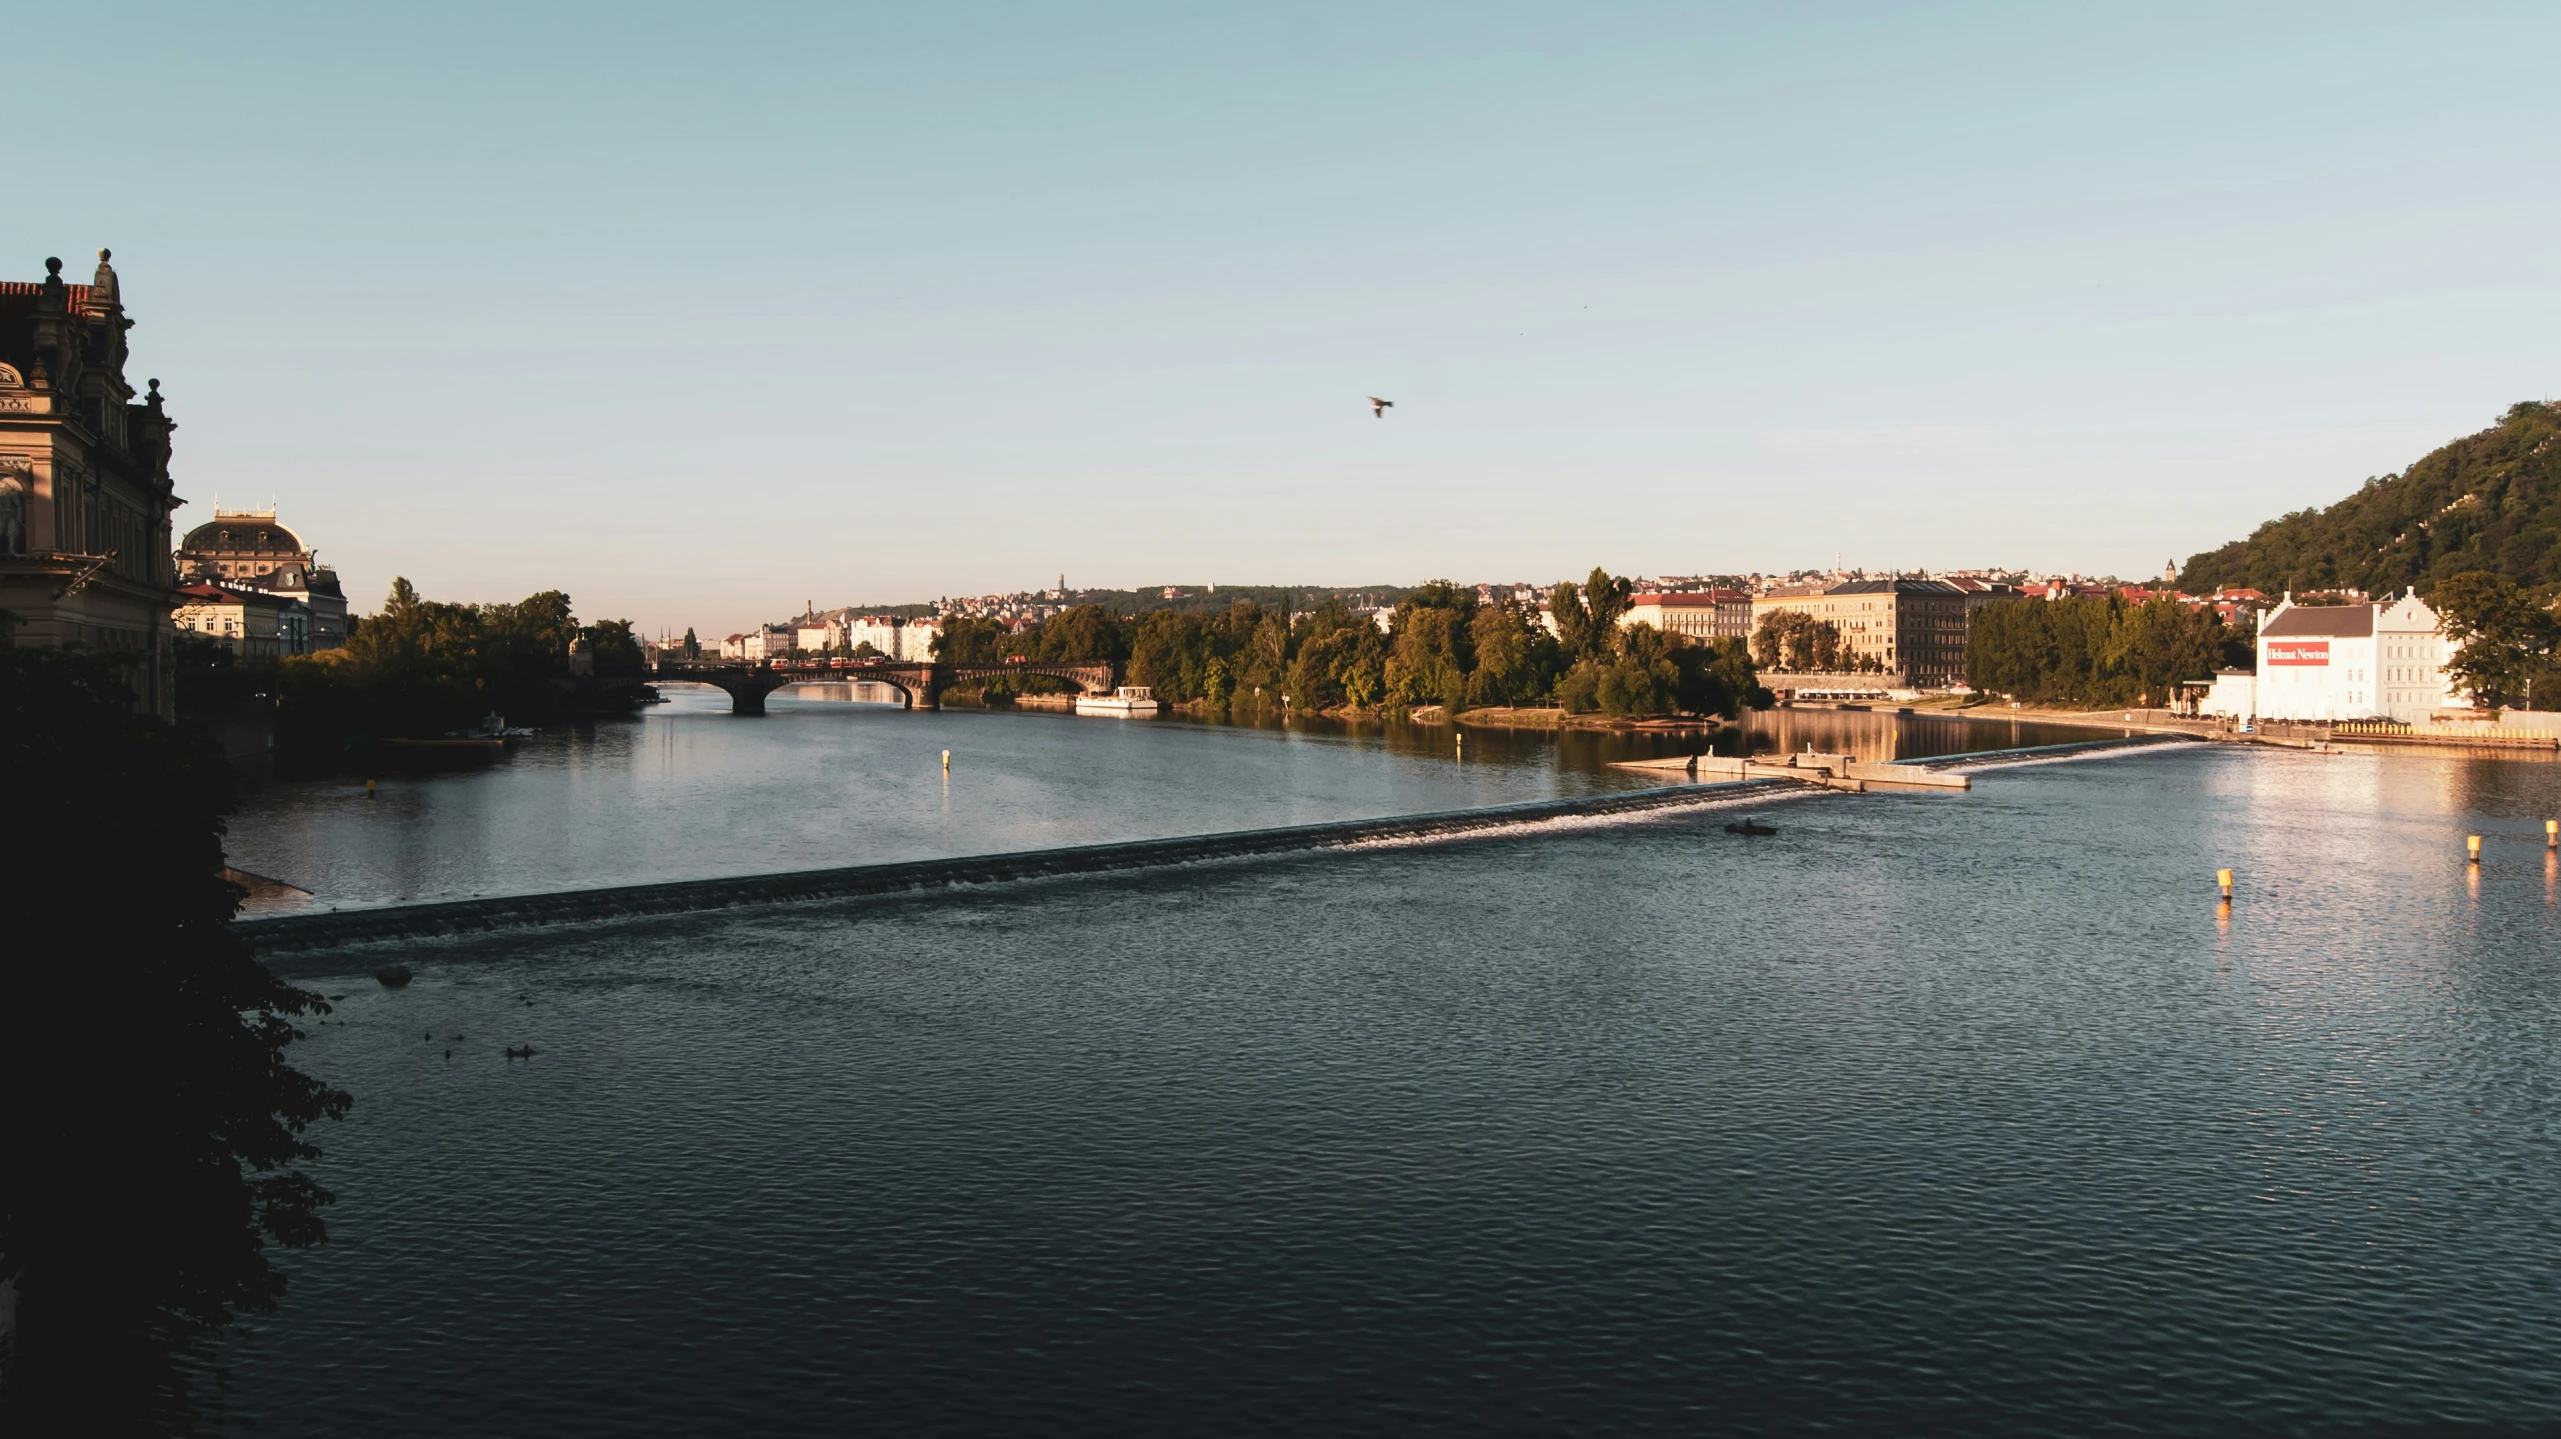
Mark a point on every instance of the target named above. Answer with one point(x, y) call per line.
point(1516, 659)
point(1262, 661)
point(1427, 660)
point(1606, 599)
point(1340, 659)
point(2488, 502)
point(1794, 640)
point(1578, 690)
point(616, 649)
point(2161, 642)
point(1083, 632)
point(423, 667)
point(1168, 651)
point(1573, 621)
point(1640, 678)
point(967, 640)
point(2503, 634)
point(148, 1164)
point(1717, 678)
point(2092, 651)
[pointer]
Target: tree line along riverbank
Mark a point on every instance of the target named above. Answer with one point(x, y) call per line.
point(419, 669)
point(1442, 646)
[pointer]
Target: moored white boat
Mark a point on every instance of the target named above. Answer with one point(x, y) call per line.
point(1127, 700)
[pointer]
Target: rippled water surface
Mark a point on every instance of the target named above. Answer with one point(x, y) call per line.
point(689, 791)
point(1959, 1113)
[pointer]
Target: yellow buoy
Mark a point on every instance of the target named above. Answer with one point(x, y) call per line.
point(2552, 834)
point(2472, 847)
point(2223, 877)
point(946, 761)
point(368, 789)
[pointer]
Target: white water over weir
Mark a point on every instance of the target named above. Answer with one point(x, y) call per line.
point(284, 934)
point(312, 934)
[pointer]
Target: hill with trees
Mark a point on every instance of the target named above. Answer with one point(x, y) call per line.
point(2489, 502)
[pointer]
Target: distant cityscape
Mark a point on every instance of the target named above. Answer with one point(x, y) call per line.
point(253, 584)
point(1699, 605)
point(85, 495)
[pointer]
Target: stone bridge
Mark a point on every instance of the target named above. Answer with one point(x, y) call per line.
point(920, 684)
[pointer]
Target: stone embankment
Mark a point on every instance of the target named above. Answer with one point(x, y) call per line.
point(2513, 730)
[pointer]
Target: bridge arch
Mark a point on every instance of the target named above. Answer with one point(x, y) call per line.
point(920, 684)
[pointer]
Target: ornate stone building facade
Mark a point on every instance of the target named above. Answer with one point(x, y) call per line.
point(249, 549)
point(239, 545)
point(85, 494)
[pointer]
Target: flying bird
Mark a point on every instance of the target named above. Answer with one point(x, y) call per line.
point(1379, 407)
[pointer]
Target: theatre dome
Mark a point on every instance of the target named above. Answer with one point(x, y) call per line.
point(240, 546)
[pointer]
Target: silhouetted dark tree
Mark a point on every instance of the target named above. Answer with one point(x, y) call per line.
point(154, 1125)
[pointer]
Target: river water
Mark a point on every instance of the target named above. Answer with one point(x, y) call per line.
point(1934, 1112)
point(689, 791)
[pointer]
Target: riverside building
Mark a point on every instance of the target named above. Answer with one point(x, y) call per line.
point(1915, 628)
point(1701, 615)
point(2380, 660)
point(251, 549)
point(252, 623)
point(85, 493)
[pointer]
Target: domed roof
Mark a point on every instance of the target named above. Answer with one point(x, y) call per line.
point(242, 535)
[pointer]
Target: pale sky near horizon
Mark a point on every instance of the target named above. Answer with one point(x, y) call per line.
point(700, 312)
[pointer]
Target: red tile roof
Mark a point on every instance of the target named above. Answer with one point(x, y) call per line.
point(75, 295)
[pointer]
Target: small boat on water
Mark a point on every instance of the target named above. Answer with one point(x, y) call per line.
point(1749, 827)
point(1126, 700)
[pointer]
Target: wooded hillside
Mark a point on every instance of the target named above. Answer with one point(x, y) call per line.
point(2490, 501)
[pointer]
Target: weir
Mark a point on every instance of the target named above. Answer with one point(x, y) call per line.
point(303, 933)
point(284, 935)
point(1846, 772)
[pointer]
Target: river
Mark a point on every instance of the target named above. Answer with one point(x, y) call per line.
point(689, 791)
point(1945, 1112)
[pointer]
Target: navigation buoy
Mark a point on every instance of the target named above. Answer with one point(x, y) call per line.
point(2472, 847)
point(2552, 834)
point(1462, 749)
point(2223, 877)
point(368, 789)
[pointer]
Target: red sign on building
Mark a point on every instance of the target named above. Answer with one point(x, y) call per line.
point(2298, 652)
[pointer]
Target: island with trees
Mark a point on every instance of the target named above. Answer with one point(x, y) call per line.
point(425, 668)
point(1442, 646)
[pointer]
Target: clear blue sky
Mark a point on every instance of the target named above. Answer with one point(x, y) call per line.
point(700, 312)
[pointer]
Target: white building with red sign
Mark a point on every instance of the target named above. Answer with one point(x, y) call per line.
point(2351, 662)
